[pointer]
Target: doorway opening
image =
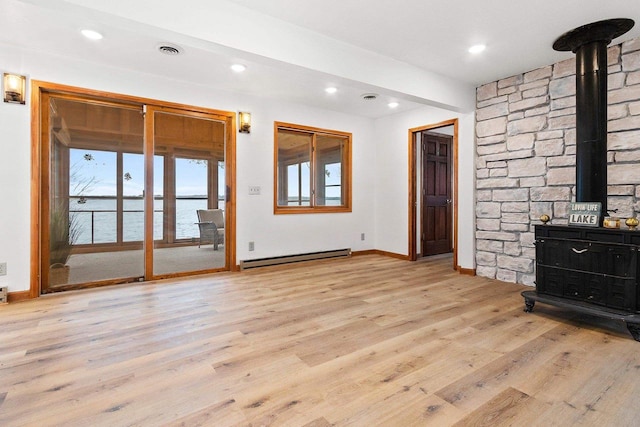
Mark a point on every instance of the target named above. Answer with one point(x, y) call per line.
point(433, 169)
point(119, 183)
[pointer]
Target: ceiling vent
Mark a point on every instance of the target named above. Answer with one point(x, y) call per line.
point(369, 96)
point(170, 49)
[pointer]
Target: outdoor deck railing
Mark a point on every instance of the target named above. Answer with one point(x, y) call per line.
point(99, 225)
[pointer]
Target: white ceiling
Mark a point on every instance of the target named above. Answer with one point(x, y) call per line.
point(435, 35)
point(410, 51)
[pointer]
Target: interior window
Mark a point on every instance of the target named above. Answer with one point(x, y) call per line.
point(312, 169)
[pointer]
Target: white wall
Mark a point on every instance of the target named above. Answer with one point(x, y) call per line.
point(392, 180)
point(466, 191)
point(15, 189)
point(276, 235)
point(273, 235)
point(379, 166)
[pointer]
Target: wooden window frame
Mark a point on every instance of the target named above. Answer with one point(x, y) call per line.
point(346, 171)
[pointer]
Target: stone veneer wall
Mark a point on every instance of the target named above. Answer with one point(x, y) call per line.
point(525, 160)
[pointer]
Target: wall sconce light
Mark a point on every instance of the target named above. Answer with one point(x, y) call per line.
point(14, 88)
point(244, 122)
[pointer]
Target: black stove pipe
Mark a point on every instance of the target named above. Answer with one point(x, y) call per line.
point(589, 43)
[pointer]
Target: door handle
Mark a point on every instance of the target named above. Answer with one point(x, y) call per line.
point(448, 201)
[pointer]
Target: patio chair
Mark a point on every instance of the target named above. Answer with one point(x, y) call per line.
point(211, 224)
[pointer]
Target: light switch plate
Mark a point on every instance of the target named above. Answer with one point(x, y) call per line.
point(254, 190)
point(3, 268)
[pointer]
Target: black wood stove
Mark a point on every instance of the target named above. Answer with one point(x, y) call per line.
point(584, 269)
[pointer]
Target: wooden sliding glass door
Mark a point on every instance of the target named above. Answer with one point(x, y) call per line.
point(192, 149)
point(93, 201)
point(120, 186)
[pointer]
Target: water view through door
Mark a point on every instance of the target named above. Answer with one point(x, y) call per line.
point(190, 178)
point(93, 200)
point(115, 214)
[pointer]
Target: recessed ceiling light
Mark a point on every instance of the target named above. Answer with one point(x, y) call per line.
point(238, 68)
point(393, 104)
point(331, 90)
point(91, 34)
point(477, 48)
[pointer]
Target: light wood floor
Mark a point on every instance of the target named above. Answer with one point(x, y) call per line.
point(363, 341)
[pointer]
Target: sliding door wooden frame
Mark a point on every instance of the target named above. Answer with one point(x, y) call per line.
point(148, 199)
point(413, 197)
point(45, 169)
point(40, 90)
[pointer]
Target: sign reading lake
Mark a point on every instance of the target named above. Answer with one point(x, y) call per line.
point(585, 213)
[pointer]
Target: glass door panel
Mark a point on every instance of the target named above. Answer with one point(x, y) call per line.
point(87, 143)
point(133, 197)
point(121, 190)
point(191, 195)
point(187, 181)
point(222, 186)
point(158, 198)
point(92, 195)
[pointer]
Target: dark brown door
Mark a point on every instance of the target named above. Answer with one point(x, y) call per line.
point(436, 193)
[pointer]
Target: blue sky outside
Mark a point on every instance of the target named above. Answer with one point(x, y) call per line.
point(333, 180)
point(98, 169)
point(94, 174)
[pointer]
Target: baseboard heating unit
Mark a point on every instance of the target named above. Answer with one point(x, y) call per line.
point(286, 259)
